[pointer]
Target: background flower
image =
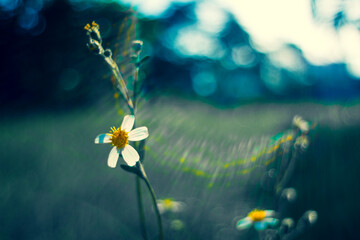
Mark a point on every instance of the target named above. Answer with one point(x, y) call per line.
point(261, 219)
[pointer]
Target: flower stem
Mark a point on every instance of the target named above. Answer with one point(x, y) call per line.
point(141, 208)
point(288, 172)
point(136, 76)
point(140, 202)
point(154, 201)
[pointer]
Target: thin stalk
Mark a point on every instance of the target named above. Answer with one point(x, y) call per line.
point(121, 83)
point(154, 202)
point(141, 208)
point(140, 203)
point(288, 172)
point(136, 77)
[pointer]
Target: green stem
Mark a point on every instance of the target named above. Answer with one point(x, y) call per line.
point(154, 201)
point(139, 201)
point(288, 172)
point(141, 208)
point(136, 76)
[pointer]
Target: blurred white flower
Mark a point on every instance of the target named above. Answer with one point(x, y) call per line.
point(120, 137)
point(311, 216)
point(261, 219)
point(302, 142)
point(301, 124)
point(289, 194)
point(169, 205)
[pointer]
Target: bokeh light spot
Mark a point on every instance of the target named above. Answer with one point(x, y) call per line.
point(9, 5)
point(28, 19)
point(243, 56)
point(211, 17)
point(191, 41)
point(177, 225)
point(350, 39)
point(287, 58)
point(272, 78)
point(154, 7)
point(35, 4)
point(40, 27)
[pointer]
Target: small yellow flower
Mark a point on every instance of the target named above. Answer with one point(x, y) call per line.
point(119, 138)
point(261, 219)
point(93, 26)
point(87, 27)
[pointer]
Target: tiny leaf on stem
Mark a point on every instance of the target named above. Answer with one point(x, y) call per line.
point(133, 170)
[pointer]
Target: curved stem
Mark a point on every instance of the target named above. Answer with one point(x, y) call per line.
point(141, 208)
point(154, 202)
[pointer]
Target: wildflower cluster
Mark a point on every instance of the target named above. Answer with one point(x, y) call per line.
point(95, 40)
point(120, 137)
point(95, 46)
point(265, 221)
point(303, 126)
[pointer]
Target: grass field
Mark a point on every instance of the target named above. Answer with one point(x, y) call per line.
point(55, 183)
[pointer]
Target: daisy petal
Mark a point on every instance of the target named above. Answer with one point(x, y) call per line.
point(178, 206)
point(244, 223)
point(103, 138)
point(113, 157)
point(160, 206)
point(138, 134)
point(260, 225)
point(269, 213)
point(130, 155)
point(272, 222)
point(128, 123)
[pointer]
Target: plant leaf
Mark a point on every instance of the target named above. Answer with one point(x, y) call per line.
point(133, 170)
point(142, 61)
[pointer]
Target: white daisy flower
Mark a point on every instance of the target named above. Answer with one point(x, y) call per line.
point(261, 219)
point(120, 137)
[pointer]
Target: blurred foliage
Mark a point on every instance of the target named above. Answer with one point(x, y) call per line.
point(46, 64)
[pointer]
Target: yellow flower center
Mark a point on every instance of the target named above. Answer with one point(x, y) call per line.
point(168, 203)
point(119, 138)
point(257, 215)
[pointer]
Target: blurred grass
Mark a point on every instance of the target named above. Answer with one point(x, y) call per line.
point(56, 185)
